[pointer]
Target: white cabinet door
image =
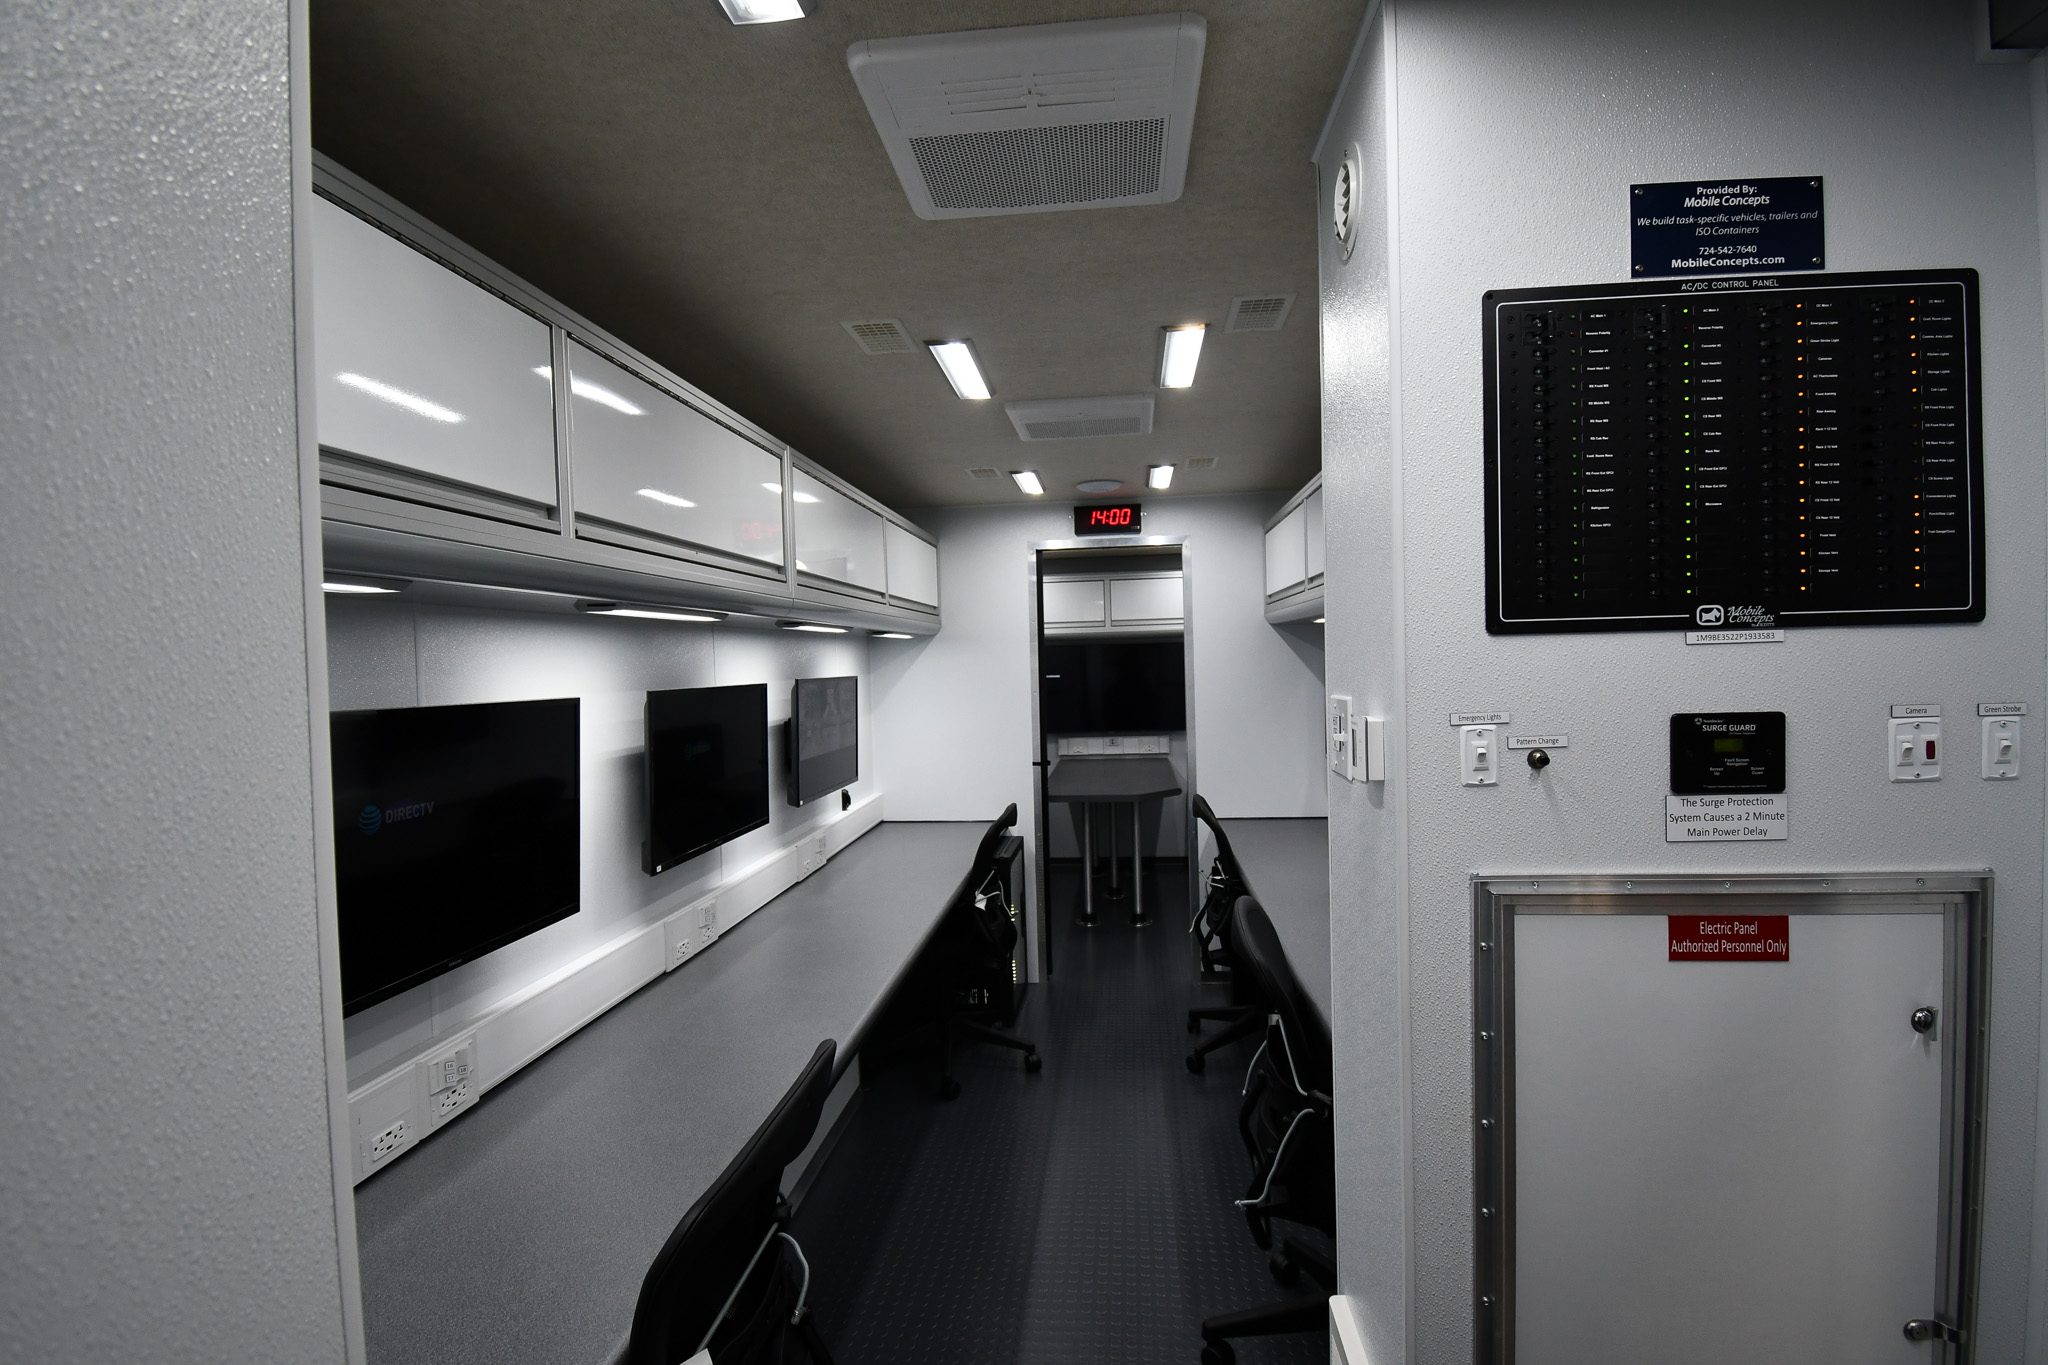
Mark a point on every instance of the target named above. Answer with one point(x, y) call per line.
point(421, 369)
point(1134, 600)
point(836, 537)
point(1312, 505)
point(648, 462)
point(1287, 553)
point(1074, 602)
point(913, 566)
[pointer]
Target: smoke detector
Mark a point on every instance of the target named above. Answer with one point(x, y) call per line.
point(1099, 485)
point(1068, 419)
point(1094, 114)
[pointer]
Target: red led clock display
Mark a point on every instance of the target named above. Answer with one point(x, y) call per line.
point(1111, 519)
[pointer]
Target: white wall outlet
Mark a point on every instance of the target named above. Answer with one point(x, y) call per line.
point(814, 854)
point(1338, 740)
point(1479, 755)
point(707, 924)
point(1372, 744)
point(2001, 748)
point(1913, 749)
point(386, 1124)
point(448, 1080)
point(679, 937)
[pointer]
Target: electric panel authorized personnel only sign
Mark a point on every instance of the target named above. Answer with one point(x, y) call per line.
point(1712, 227)
point(1730, 938)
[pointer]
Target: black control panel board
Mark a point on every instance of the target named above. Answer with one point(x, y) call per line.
point(1804, 450)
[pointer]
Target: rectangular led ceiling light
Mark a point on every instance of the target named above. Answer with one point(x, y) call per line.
point(764, 11)
point(1027, 479)
point(956, 358)
point(1159, 476)
point(647, 613)
point(1180, 350)
point(1092, 114)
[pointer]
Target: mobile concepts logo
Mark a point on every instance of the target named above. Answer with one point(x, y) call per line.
point(373, 818)
point(1745, 617)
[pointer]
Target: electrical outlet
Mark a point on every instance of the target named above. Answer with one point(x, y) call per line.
point(448, 1081)
point(679, 933)
point(389, 1143)
point(386, 1121)
point(707, 924)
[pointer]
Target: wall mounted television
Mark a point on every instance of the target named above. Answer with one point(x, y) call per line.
point(824, 737)
point(1112, 687)
point(707, 770)
point(456, 831)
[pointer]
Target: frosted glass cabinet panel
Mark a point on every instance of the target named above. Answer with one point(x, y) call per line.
point(648, 462)
point(422, 369)
point(1287, 553)
point(1074, 602)
point(913, 566)
point(1144, 599)
point(836, 537)
point(1312, 505)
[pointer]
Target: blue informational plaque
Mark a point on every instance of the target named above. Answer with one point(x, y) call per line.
point(1715, 227)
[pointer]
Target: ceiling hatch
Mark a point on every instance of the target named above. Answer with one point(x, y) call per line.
point(1095, 114)
point(1070, 419)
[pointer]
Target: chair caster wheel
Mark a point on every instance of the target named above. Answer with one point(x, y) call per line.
point(1033, 1063)
point(1218, 1352)
point(949, 1089)
point(1196, 1063)
point(1284, 1268)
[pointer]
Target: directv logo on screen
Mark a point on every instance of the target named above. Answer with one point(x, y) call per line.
point(373, 818)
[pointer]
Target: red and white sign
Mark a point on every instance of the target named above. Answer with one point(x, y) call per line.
point(1730, 938)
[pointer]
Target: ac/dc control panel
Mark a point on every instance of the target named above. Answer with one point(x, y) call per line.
point(1659, 454)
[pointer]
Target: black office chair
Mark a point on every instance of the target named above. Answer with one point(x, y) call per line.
point(1286, 1125)
point(1245, 1015)
point(976, 939)
point(730, 1276)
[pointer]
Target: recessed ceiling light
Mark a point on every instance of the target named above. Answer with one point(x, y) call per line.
point(1180, 348)
point(963, 371)
point(893, 635)
point(1027, 479)
point(669, 499)
point(764, 11)
point(813, 629)
point(1099, 485)
point(648, 613)
point(1159, 476)
point(341, 587)
point(397, 397)
point(801, 496)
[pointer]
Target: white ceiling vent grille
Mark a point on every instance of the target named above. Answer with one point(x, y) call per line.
point(880, 336)
point(1201, 462)
point(1095, 114)
point(1069, 419)
point(984, 472)
point(1259, 313)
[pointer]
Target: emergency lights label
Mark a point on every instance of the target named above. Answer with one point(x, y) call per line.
point(1730, 938)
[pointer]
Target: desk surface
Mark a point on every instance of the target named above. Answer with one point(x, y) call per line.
point(522, 1232)
point(1112, 779)
point(1287, 863)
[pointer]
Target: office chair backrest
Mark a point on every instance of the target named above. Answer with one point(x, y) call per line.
point(1308, 1038)
point(998, 930)
point(1224, 855)
point(705, 1257)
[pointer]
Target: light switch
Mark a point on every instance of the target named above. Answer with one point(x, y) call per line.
point(1339, 737)
point(2001, 747)
point(1479, 755)
point(1914, 750)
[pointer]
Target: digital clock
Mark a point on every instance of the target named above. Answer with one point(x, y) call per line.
point(1109, 519)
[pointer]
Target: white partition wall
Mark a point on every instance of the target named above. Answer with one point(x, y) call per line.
point(425, 370)
point(650, 463)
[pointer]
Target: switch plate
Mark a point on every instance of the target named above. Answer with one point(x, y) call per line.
point(1374, 738)
point(2001, 748)
point(1338, 740)
point(1479, 755)
point(1913, 749)
point(707, 924)
point(448, 1081)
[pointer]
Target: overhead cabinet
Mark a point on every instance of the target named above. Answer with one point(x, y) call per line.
point(472, 430)
point(1294, 556)
point(1113, 604)
point(654, 472)
point(423, 370)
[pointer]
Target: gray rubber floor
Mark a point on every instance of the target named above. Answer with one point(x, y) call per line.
point(1082, 1214)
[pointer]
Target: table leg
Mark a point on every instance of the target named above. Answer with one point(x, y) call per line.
point(1137, 870)
point(1116, 886)
point(1087, 862)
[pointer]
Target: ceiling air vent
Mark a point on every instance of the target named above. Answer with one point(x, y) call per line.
point(1256, 313)
point(984, 472)
point(1069, 419)
point(1200, 462)
point(1094, 114)
point(880, 336)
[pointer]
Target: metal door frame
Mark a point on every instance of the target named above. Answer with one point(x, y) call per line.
point(1965, 902)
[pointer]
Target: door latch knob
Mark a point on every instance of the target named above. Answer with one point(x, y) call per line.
point(1931, 1329)
point(1924, 1020)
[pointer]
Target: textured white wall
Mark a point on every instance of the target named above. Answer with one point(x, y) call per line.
point(953, 711)
point(1515, 132)
point(166, 1179)
point(392, 653)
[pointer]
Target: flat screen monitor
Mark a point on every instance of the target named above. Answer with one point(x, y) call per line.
point(824, 737)
point(707, 770)
point(455, 832)
point(1112, 687)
